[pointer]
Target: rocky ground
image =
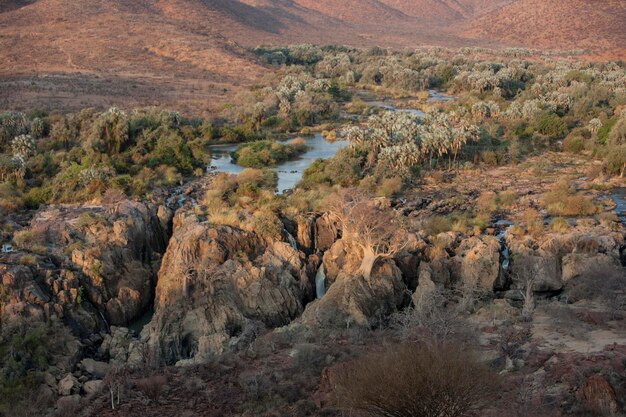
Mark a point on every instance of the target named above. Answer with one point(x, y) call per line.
point(236, 327)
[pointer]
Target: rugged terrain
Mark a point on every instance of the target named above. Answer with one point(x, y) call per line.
point(187, 54)
point(221, 290)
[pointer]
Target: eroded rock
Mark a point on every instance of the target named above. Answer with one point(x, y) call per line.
point(213, 280)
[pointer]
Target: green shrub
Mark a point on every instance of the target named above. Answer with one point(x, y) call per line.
point(552, 125)
point(37, 196)
point(605, 130)
point(265, 153)
point(574, 144)
point(615, 162)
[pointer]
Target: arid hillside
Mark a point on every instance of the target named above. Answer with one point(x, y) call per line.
point(191, 54)
point(599, 26)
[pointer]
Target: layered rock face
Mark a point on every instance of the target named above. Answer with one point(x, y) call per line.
point(216, 282)
point(89, 263)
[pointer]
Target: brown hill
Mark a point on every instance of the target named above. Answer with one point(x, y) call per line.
point(185, 53)
point(556, 24)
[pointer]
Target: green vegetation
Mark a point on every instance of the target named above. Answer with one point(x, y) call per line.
point(81, 156)
point(26, 352)
point(267, 153)
point(505, 110)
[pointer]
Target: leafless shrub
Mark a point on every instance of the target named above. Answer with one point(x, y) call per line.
point(308, 357)
point(377, 232)
point(525, 276)
point(432, 319)
point(68, 407)
point(193, 384)
point(601, 282)
point(412, 380)
point(152, 386)
point(564, 318)
point(511, 338)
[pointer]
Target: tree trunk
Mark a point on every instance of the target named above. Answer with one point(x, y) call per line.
point(368, 262)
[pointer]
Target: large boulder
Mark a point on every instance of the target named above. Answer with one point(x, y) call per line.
point(598, 396)
point(555, 259)
point(68, 385)
point(354, 300)
point(305, 234)
point(92, 388)
point(576, 265)
point(477, 262)
point(216, 280)
point(340, 258)
point(326, 233)
point(95, 368)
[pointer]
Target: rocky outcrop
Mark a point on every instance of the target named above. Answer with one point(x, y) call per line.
point(107, 255)
point(576, 265)
point(355, 300)
point(340, 258)
point(559, 258)
point(325, 233)
point(215, 281)
point(28, 295)
point(477, 262)
point(352, 299)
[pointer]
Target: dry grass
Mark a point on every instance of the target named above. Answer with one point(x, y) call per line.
point(564, 200)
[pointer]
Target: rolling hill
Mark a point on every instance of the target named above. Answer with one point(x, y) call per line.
point(193, 53)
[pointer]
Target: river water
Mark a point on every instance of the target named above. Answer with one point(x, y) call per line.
point(619, 197)
point(289, 172)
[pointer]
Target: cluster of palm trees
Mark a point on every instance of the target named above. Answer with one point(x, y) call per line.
point(403, 141)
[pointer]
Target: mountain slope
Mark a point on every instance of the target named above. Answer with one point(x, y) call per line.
point(557, 24)
point(186, 53)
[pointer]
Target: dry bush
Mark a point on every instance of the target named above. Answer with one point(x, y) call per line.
point(68, 407)
point(511, 338)
point(563, 200)
point(390, 187)
point(152, 386)
point(533, 221)
point(433, 320)
point(438, 224)
point(487, 202)
point(560, 225)
point(414, 380)
point(507, 199)
point(601, 282)
point(309, 357)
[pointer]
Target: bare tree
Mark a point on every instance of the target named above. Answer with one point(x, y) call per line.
point(377, 232)
point(525, 275)
point(115, 380)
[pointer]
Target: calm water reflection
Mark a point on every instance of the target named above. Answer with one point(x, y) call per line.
point(289, 172)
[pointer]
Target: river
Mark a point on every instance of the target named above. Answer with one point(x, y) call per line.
point(619, 197)
point(289, 172)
